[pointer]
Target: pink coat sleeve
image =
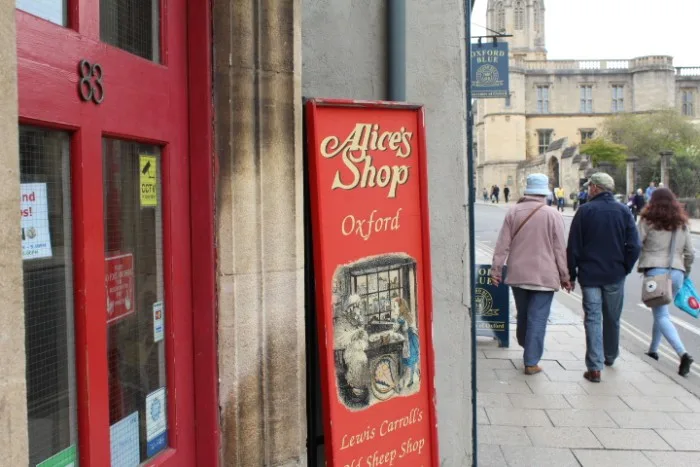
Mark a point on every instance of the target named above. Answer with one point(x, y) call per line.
point(560, 248)
point(500, 253)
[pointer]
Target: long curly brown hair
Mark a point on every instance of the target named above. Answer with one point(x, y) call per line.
point(664, 212)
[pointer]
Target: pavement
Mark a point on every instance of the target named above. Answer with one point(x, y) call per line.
point(636, 416)
point(569, 211)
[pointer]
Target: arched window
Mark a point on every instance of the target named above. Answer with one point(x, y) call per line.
point(519, 15)
point(500, 17)
point(537, 15)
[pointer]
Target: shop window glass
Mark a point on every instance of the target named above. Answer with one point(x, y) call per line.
point(45, 209)
point(136, 311)
point(50, 10)
point(132, 25)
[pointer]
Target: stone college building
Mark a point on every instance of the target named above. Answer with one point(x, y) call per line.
point(555, 105)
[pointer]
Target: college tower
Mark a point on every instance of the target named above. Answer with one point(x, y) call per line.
point(555, 105)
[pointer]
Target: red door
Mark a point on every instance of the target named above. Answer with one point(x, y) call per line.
point(110, 76)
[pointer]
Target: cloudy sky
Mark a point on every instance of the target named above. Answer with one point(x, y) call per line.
point(617, 29)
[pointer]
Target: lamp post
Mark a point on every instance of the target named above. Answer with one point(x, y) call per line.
point(631, 173)
point(666, 167)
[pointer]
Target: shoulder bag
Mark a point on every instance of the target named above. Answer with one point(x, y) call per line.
point(525, 221)
point(658, 290)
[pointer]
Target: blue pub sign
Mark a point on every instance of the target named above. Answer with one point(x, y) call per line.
point(492, 306)
point(489, 70)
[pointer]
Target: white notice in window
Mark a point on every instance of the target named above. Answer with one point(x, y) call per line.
point(34, 209)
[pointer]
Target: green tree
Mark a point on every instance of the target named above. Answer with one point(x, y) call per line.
point(602, 150)
point(646, 135)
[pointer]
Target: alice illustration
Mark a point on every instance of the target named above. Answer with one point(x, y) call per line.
point(411, 345)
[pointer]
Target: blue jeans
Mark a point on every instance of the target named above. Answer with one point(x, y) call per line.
point(662, 319)
point(533, 312)
point(602, 307)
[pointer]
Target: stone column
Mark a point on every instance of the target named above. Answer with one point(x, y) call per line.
point(13, 396)
point(666, 167)
point(260, 231)
point(631, 173)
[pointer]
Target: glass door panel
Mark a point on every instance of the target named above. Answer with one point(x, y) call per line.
point(47, 260)
point(135, 306)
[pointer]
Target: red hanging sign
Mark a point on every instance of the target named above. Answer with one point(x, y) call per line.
point(119, 282)
point(371, 248)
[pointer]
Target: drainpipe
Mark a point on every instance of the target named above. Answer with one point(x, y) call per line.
point(396, 50)
point(469, 198)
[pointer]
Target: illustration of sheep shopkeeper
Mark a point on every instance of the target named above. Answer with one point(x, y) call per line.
point(376, 330)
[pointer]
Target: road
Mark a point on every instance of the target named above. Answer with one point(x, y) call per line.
point(636, 318)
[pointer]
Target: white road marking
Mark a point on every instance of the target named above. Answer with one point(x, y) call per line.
point(632, 330)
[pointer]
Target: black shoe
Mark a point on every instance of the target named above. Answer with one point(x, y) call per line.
point(684, 368)
point(609, 362)
point(592, 376)
point(653, 355)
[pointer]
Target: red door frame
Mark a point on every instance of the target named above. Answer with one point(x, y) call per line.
point(48, 56)
point(203, 175)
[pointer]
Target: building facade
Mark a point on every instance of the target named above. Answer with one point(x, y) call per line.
point(563, 100)
point(161, 317)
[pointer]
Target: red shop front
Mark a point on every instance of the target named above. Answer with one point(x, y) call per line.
point(116, 175)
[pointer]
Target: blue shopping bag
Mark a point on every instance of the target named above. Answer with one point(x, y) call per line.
point(687, 298)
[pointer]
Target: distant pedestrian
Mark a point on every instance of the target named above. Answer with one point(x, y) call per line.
point(661, 221)
point(549, 198)
point(650, 189)
point(494, 194)
point(506, 193)
point(603, 247)
point(531, 241)
point(638, 203)
point(559, 193)
point(582, 197)
point(485, 194)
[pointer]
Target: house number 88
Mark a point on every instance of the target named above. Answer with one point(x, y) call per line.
point(90, 87)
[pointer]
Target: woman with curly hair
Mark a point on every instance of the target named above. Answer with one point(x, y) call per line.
point(661, 220)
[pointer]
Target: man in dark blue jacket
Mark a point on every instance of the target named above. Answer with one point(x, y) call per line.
point(603, 248)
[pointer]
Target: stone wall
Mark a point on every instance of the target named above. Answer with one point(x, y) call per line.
point(13, 397)
point(260, 232)
point(344, 55)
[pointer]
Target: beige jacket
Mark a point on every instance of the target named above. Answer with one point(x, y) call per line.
point(537, 256)
point(655, 246)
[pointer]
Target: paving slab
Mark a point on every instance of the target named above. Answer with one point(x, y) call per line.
point(503, 435)
point(657, 389)
point(539, 401)
point(490, 456)
point(609, 387)
point(561, 375)
point(503, 387)
point(631, 439)
point(502, 354)
point(692, 402)
point(682, 440)
point(555, 387)
point(606, 458)
point(518, 417)
point(580, 418)
point(654, 404)
point(675, 459)
point(492, 400)
point(573, 365)
point(494, 364)
point(481, 417)
point(689, 421)
point(652, 420)
point(523, 456)
point(518, 375)
point(562, 437)
point(578, 401)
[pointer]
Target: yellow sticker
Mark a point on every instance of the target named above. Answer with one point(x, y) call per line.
point(149, 180)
